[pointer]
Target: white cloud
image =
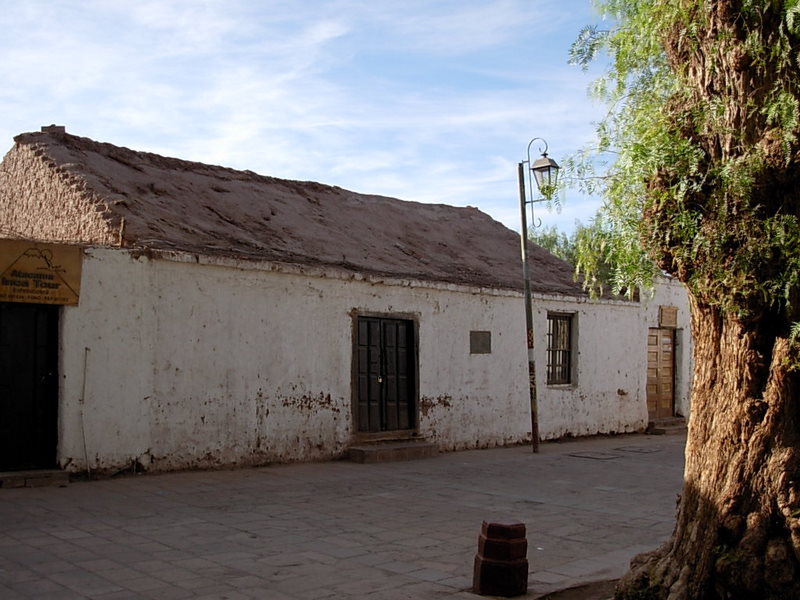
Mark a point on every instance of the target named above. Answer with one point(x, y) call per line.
point(425, 101)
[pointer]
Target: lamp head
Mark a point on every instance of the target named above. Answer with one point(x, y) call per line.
point(545, 171)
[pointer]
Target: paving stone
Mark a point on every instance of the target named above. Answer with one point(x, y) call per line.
point(382, 531)
point(119, 574)
point(142, 584)
point(37, 587)
point(168, 593)
point(64, 594)
point(8, 594)
point(220, 595)
point(121, 595)
point(261, 593)
point(85, 582)
point(429, 575)
point(548, 577)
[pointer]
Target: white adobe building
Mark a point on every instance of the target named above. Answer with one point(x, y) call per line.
point(162, 314)
point(630, 365)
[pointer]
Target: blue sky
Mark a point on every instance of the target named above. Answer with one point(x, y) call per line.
point(426, 100)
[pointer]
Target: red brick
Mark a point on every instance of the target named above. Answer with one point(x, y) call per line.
point(502, 549)
point(503, 531)
point(500, 577)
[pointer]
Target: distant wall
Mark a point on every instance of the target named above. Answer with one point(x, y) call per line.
point(608, 393)
point(671, 292)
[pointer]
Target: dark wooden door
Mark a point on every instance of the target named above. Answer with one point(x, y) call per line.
point(386, 369)
point(660, 373)
point(28, 386)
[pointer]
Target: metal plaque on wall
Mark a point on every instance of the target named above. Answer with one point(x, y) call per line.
point(38, 273)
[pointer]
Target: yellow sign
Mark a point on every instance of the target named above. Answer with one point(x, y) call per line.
point(39, 273)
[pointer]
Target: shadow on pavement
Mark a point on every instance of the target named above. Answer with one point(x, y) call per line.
point(598, 590)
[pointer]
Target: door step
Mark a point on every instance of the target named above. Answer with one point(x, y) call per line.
point(38, 478)
point(391, 451)
point(667, 426)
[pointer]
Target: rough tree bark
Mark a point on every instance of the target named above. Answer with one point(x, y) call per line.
point(738, 533)
point(738, 524)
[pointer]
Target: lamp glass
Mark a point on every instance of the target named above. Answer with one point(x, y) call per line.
point(545, 171)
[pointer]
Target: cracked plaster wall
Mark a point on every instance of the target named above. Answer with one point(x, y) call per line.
point(200, 365)
point(171, 364)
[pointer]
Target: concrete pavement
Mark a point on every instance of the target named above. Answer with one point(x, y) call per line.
point(340, 530)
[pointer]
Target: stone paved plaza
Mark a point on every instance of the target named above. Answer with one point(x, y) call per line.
point(340, 530)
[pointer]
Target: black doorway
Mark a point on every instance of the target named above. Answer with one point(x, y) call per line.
point(28, 386)
point(386, 366)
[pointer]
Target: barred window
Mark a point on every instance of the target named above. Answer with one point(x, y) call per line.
point(559, 349)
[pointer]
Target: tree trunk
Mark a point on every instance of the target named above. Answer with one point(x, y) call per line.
point(738, 524)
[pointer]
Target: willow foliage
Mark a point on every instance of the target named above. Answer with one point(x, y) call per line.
point(702, 124)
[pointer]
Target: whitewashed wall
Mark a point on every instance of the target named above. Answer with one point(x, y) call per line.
point(172, 364)
point(607, 393)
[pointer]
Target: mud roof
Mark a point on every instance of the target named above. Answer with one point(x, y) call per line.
point(55, 186)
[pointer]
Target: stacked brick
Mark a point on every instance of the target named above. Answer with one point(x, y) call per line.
point(501, 565)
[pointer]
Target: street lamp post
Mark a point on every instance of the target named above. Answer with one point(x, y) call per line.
point(545, 172)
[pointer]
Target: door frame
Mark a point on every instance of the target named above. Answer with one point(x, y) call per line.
point(361, 436)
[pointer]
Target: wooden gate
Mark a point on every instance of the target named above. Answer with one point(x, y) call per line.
point(28, 385)
point(660, 373)
point(386, 366)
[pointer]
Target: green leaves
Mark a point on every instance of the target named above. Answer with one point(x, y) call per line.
point(782, 112)
point(586, 47)
point(794, 338)
point(556, 242)
point(697, 159)
point(792, 15)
